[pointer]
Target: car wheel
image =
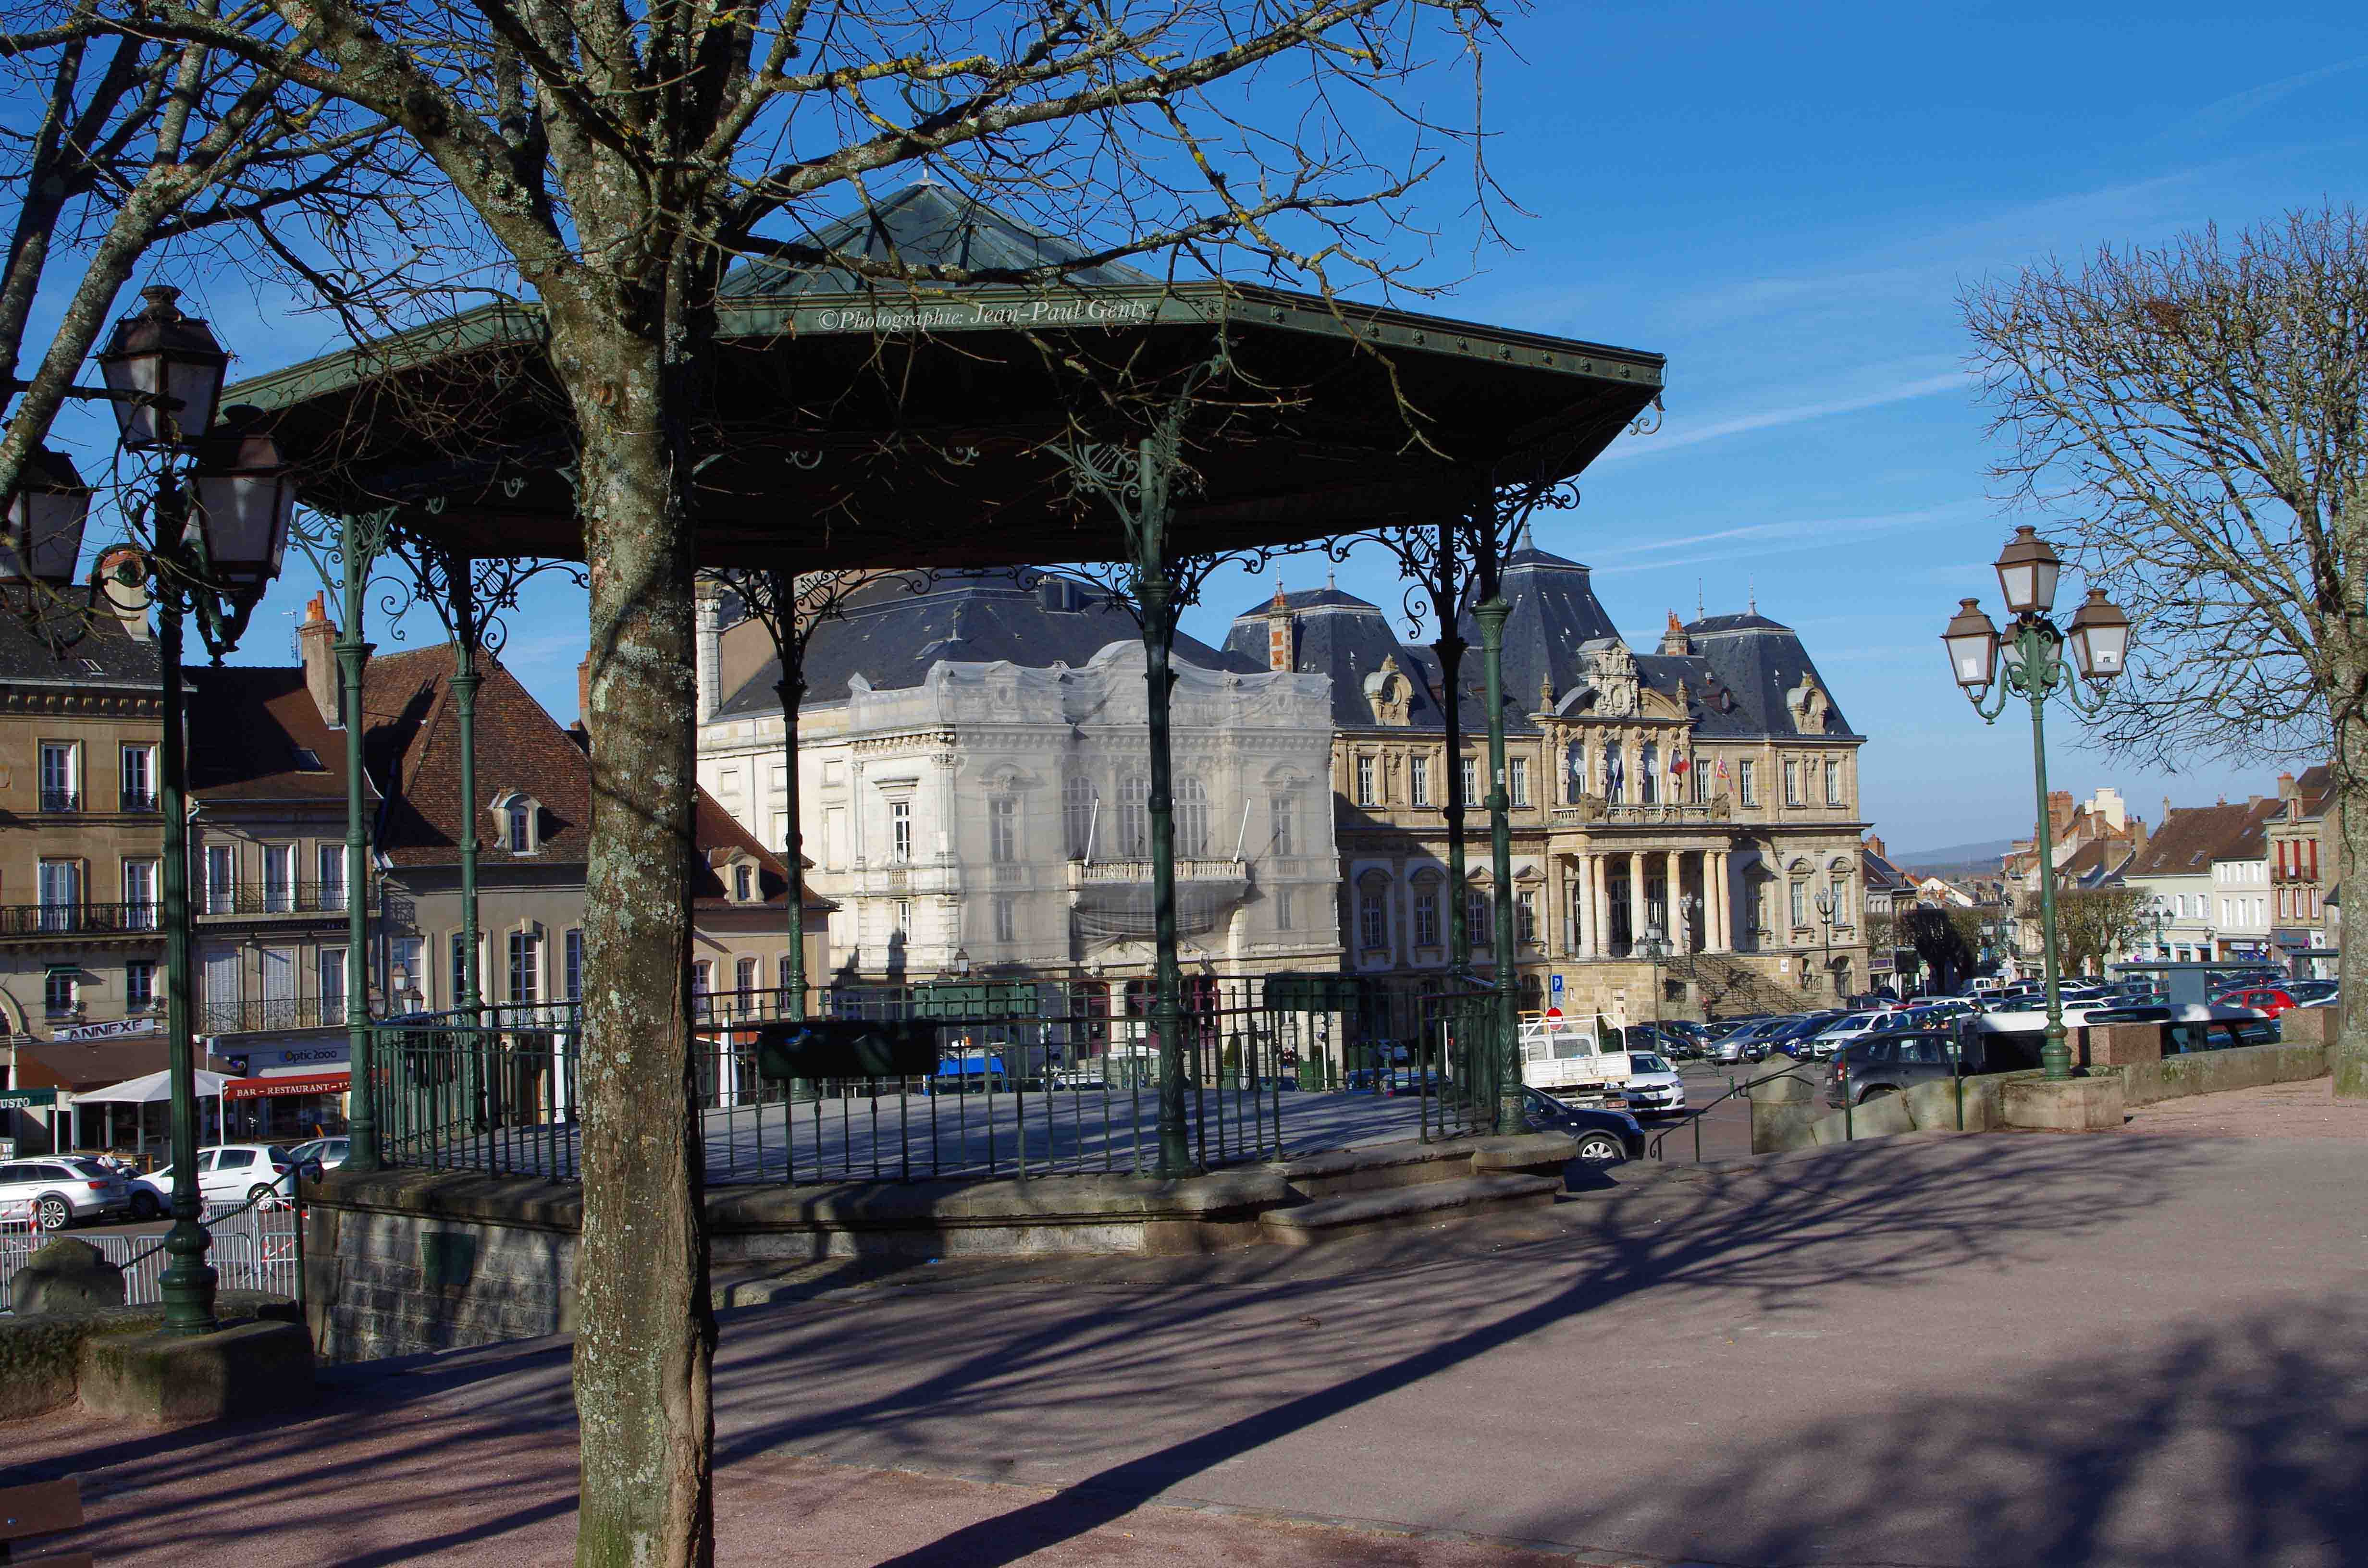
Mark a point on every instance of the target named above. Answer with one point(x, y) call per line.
point(56, 1212)
point(145, 1206)
point(258, 1195)
point(1877, 1092)
point(1599, 1149)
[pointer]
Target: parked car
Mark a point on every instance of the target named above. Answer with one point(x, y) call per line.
point(1888, 1065)
point(2306, 992)
point(1605, 1137)
point(59, 1189)
point(227, 1173)
point(2267, 1000)
point(1717, 1030)
point(1653, 1086)
point(320, 1155)
point(1795, 1041)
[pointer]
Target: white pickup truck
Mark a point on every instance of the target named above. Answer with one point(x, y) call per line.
point(1570, 1063)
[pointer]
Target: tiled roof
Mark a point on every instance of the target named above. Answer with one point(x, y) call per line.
point(2191, 837)
point(412, 751)
point(413, 741)
point(257, 734)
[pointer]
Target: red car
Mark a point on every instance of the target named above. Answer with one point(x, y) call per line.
point(2266, 999)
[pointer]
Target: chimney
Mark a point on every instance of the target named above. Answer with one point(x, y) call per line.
point(1874, 848)
point(1280, 655)
point(584, 692)
point(128, 600)
point(708, 619)
point(1674, 642)
point(2285, 786)
point(316, 638)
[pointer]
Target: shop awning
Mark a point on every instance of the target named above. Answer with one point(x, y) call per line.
point(155, 1088)
point(287, 1086)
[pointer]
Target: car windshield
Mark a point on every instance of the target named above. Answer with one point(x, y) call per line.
point(1645, 1062)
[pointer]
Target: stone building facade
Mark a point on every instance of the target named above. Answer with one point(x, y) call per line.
point(1685, 823)
point(973, 786)
point(82, 952)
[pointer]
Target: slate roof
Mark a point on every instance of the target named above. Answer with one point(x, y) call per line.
point(2191, 837)
point(1760, 660)
point(892, 635)
point(1880, 874)
point(245, 727)
point(1338, 634)
point(98, 651)
point(1737, 679)
point(920, 226)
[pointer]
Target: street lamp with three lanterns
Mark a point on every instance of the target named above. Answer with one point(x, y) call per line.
point(218, 528)
point(2033, 651)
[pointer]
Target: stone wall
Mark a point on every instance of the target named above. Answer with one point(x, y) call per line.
point(398, 1262)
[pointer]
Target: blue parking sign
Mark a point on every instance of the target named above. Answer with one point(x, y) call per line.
point(1556, 986)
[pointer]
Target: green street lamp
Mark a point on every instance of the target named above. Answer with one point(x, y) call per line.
point(2036, 669)
point(219, 530)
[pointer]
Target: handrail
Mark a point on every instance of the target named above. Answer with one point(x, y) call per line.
point(1695, 1114)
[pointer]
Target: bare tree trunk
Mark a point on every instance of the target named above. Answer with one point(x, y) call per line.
point(2350, 767)
point(645, 1345)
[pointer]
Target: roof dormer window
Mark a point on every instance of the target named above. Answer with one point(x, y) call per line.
point(518, 822)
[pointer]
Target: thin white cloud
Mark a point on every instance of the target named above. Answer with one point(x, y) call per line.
point(1770, 418)
point(2223, 113)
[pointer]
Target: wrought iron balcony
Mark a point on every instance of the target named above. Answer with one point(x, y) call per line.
point(278, 1013)
point(60, 800)
point(79, 919)
point(270, 898)
point(132, 801)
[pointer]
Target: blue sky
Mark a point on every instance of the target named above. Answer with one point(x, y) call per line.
point(1785, 202)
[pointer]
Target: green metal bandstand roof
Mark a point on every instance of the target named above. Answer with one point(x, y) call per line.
point(855, 424)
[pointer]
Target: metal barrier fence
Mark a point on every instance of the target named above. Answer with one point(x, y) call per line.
point(257, 1245)
point(1032, 1078)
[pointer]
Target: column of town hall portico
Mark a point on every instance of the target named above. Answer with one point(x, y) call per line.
point(1680, 930)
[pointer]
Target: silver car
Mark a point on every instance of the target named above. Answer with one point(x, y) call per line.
point(1654, 1088)
point(57, 1190)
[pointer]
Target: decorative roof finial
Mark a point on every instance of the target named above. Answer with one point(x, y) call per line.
point(1701, 611)
point(1752, 586)
point(1329, 584)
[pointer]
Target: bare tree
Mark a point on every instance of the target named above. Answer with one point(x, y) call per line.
point(2092, 925)
point(146, 147)
point(2194, 415)
point(614, 160)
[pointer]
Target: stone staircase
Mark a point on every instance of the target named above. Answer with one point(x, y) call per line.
point(1726, 988)
point(1389, 1186)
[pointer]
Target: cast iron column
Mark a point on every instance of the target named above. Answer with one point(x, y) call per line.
point(1167, 1011)
point(2038, 655)
point(1491, 617)
point(357, 545)
point(465, 682)
point(1450, 647)
point(792, 690)
point(188, 1282)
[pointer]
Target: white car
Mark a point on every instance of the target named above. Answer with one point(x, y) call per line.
point(1654, 1088)
point(320, 1155)
point(58, 1189)
point(229, 1173)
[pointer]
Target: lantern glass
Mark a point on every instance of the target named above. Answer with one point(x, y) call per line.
point(244, 501)
point(157, 352)
point(2100, 638)
point(44, 520)
point(1973, 645)
point(2027, 571)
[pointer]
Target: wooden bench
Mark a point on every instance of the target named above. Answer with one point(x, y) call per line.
point(44, 1508)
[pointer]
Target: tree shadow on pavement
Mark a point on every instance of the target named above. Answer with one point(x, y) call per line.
point(1226, 1369)
point(2242, 1441)
point(1216, 1358)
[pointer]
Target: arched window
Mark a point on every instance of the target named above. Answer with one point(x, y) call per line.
point(1191, 818)
point(1574, 772)
point(1135, 817)
point(1078, 797)
point(1648, 774)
